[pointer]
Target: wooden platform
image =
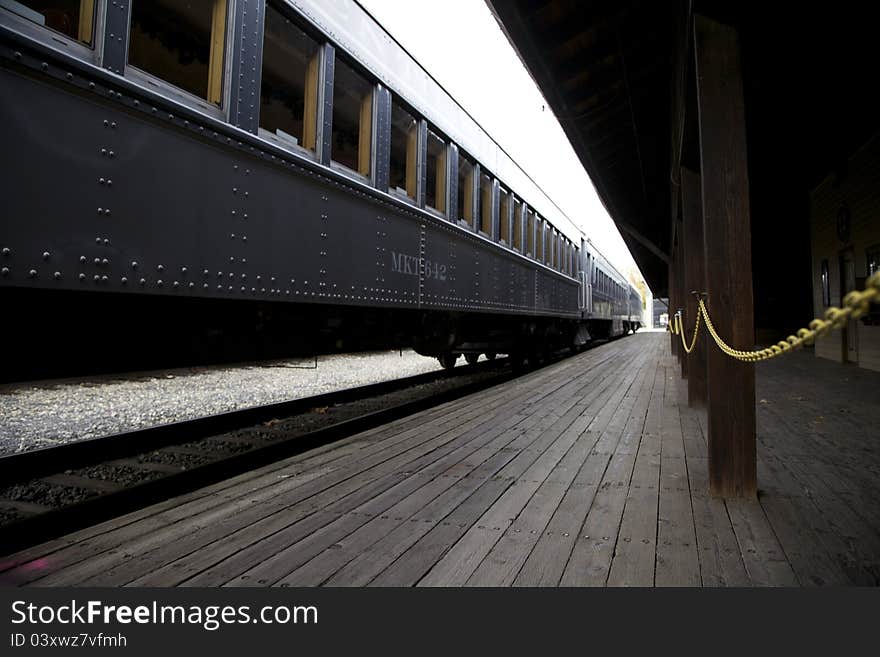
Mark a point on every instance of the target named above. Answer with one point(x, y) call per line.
point(589, 472)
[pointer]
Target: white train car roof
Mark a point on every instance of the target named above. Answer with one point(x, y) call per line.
point(357, 33)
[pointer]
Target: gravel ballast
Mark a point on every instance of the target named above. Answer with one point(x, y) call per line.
point(42, 414)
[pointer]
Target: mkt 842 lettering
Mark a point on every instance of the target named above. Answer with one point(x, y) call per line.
point(401, 263)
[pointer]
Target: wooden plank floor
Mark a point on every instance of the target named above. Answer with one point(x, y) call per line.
point(589, 472)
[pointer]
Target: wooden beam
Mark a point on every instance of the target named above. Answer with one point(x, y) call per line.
point(728, 257)
point(680, 292)
point(694, 280)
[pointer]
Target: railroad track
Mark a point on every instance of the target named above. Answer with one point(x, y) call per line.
point(52, 491)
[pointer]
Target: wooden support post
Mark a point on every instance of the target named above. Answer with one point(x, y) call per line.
point(694, 279)
point(681, 296)
point(728, 258)
point(670, 303)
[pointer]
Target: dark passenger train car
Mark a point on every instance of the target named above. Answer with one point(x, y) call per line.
point(233, 179)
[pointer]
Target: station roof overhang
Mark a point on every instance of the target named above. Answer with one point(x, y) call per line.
point(619, 76)
point(604, 68)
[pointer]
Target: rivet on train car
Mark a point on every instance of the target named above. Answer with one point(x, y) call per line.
point(69, 76)
point(97, 261)
point(219, 287)
point(259, 278)
point(111, 154)
point(154, 110)
point(137, 103)
point(244, 238)
point(123, 280)
point(183, 270)
point(109, 183)
point(57, 275)
point(191, 285)
point(170, 117)
point(6, 251)
point(101, 181)
point(205, 285)
point(82, 259)
point(244, 261)
point(106, 123)
point(104, 278)
point(219, 274)
point(159, 283)
point(243, 276)
point(103, 151)
point(205, 272)
point(44, 66)
point(231, 258)
point(134, 264)
point(113, 125)
point(232, 236)
point(82, 277)
point(105, 262)
point(142, 281)
point(246, 194)
point(17, 55)
point(91, 85)
point(96, 278)
point(231, 275)
point(175, 285)
point(160, 268)
point(235, 190)
point(233, 213)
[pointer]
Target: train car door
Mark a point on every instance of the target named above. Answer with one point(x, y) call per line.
point(848, 284)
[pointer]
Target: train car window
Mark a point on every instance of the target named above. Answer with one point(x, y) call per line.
point(352, 118)
point(486, 204)
point(465, 189)
point(517, 225)
point(504, 216)
point(289, 87)
point(554, 250)
point(548, 243)
point(404, 150)
point(181, 43)
point(72, 18)
point(530, 234)
point(435, 179)
point(539, 239)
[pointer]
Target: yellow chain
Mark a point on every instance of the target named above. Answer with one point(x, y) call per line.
point(679, 328)
point(856, 304)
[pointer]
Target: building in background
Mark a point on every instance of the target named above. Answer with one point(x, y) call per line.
point(845, 238)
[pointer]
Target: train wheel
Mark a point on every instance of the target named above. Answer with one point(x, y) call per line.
point(447, 359)
point(472, 358)
point(490, 355)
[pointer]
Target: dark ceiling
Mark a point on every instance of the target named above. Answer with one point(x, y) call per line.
point(605, 68)
point(608, 68)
